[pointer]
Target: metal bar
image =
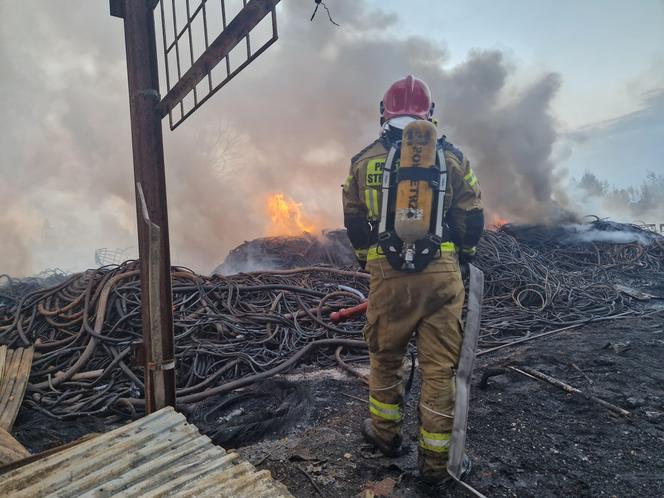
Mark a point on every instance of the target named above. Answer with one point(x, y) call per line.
point(224, 24)
point(244, 4)
point(156, 346)
point(176, 39)
point(228, 66)
point(177, 52)
point(244, 22)
point(156, 343)
point(117, 8)
point(228, 78)
point(191, 48)
point(207, 43)
point(190, 18)
point(163, 36)
point(275, 33)
point(148, 155)
point(537, 375)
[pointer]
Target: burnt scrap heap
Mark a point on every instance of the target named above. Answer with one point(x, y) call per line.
point(232, 331)
point(332, 247)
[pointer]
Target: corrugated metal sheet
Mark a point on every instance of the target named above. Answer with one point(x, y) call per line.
point(158, 455)
point(15, 367)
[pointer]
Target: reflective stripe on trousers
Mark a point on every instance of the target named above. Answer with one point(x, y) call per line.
point(438, 442)
point(387, 411)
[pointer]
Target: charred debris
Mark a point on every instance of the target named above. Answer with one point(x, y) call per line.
point(238, 334)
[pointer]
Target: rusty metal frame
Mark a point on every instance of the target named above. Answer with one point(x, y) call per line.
point(147, 109)
point(151, 205)
point(231, 35)
point(157, 367)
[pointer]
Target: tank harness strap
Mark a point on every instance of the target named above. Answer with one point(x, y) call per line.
point(416, 173)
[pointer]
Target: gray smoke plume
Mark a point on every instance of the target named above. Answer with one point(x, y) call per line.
point(289, 123)
point(589, 233)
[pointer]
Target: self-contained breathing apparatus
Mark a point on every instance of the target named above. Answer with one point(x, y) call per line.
point(410, 232)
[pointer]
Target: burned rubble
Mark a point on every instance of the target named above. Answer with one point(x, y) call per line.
point(237, 335)
point(331, 247)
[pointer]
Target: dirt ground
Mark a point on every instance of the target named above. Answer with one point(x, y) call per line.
point(526, 437)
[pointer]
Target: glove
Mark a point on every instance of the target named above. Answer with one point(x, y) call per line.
point(467, 255)
point(361, 256)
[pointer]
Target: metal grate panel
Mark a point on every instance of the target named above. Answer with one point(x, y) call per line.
point(199, 34)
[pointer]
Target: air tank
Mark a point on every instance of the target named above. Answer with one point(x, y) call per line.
point(414, 201)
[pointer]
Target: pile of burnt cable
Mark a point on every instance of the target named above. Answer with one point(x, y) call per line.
point(232, 332)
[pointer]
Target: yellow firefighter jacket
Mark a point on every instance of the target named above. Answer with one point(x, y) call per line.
point(362, 197)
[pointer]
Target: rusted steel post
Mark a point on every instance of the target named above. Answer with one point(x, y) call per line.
point(153, 240)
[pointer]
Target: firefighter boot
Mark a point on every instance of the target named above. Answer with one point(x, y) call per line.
point(390, 449)
point(441, 479)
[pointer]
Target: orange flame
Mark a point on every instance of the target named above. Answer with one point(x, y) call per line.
point(286, 216)
point(497, 221)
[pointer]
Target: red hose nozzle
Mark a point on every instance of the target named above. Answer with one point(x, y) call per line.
point(346, 313)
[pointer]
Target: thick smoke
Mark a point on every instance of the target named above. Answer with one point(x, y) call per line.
point(66, 160)
point(290, 122)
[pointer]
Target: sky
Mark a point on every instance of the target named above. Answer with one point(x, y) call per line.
point(610, 56)
point(608, 52)
point(536, 93)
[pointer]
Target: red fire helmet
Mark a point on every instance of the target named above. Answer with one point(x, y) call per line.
point(409, 96)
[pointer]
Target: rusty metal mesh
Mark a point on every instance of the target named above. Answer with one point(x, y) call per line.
point(188, 27)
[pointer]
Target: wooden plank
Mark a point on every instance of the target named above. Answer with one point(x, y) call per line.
point(9, 377)
point(10, 449)
point(3, 357)
point(14, 383)
point(9, 416)
point(6, 467)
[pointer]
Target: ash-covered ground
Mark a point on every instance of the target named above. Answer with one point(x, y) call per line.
point(526, 437)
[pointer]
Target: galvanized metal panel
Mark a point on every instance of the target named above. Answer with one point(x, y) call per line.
point(158, 455)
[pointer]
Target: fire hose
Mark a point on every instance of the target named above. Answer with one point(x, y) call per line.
point(464, 371)
point(346, 313)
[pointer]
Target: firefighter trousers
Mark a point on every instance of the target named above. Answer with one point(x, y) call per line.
point(429, 305)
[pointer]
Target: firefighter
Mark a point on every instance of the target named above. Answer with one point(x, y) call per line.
point(426, 303)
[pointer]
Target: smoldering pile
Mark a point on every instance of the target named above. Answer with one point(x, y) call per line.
point(233, 331)
point(12, 289)
point(540, 278)
point(332, 247)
